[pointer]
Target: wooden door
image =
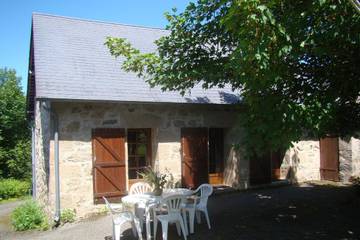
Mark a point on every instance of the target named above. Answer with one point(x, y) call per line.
point(194, 143)
point(109, 175)
point(329, 158)
point(260, 169)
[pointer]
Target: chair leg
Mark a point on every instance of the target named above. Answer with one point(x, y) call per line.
point(182, 227)
point(116, 231)
point(178, 228)
point(207, 218)
point(192, 220)
point(184, 216)
point(133, 228)
point(198, 217)
point(164, 225)
point(155, 226)
point(147, 224)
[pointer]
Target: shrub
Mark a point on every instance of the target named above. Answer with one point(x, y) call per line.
point(68, 215)
point(12, 188)
point(29, 216)
point(355, 180)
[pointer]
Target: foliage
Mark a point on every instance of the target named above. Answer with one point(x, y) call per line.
point(29, 215)
point(355, 180)
point(14, 131)
point(12, 188)
point(171, 182)
point(155, 179)
point(68, 215)
point(296, 64)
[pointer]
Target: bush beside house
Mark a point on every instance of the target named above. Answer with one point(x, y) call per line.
point(13, 188)
point(29, 215)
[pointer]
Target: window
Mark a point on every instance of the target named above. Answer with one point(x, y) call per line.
point(139, 151)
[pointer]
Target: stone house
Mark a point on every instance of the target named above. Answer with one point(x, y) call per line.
point(95, 126)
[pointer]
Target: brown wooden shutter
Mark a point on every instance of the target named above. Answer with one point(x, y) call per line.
point(329, 158)
point(216, 155)
point(109, 173)
point(260, 169)
point(276, 161)
point(194, 143)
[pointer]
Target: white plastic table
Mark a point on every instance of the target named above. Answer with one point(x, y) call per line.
point(148, 199)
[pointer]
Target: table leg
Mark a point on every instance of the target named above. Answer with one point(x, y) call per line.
point(138, 228)
point(148, 219)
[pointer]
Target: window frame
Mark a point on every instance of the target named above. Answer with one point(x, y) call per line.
point(148, 154)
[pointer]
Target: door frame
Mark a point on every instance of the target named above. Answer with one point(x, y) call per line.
point(219, 177)
point(149, 154)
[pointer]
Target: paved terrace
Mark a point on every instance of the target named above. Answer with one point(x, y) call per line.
point(309, 211)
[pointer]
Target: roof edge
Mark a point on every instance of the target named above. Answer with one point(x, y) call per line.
point(95, 21)
point(39, 98)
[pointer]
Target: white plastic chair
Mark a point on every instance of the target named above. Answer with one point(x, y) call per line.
point(140, 188)
point(173, 206)
point(119, 218)
point(189, 209)
point(205, 190)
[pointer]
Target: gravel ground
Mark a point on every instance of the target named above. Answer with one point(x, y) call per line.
point(293, 212)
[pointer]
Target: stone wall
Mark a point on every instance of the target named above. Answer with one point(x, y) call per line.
point(355, 146)
point(42, 125)
point(302, 162)
point(76, 120)
point(237, 170)
point(345, 159)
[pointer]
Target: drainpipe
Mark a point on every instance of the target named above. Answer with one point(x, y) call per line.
point(57, 176)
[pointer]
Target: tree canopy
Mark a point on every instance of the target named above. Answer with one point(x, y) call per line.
point(15, 158)
point(296, 63)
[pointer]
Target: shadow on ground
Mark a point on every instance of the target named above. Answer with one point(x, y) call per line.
point(293, 212)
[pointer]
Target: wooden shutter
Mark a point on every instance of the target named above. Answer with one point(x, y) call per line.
point(329, 158)
point(216, 155)
point(109, 175)
point(194, 143)
point(276, 161)
point(260, 169)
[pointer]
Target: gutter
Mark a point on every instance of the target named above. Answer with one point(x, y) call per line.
point(57, 175)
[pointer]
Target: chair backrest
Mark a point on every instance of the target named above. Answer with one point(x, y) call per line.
point(140, 188)
point(116, 214)
point(173, 203)
point(205, 191)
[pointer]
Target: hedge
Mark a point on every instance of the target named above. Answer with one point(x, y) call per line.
point(12, 188)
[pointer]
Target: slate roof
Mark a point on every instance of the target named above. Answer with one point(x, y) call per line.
point(72, 63)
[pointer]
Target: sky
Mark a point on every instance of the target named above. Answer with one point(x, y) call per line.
point(15, 21)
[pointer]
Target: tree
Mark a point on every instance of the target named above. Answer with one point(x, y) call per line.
point(14, 131)
point(295, 62)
